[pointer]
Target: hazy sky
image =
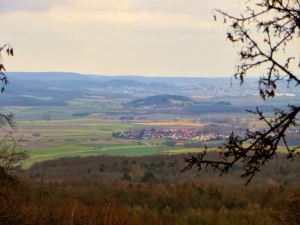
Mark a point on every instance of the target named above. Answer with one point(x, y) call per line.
point(118, 37)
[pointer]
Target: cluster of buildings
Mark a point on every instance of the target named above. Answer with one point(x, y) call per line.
point(182, 133)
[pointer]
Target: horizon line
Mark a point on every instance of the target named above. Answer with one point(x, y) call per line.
point(132, 75)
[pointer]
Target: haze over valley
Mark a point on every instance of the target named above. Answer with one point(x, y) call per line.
point(130, 115)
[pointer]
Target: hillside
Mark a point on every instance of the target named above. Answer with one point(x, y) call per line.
point(161, 101)
point(104, 94)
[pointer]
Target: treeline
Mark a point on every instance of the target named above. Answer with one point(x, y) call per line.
point(121, 191)
point(222, 107)
point(19, 100)
point(160, 100)
point(159, 169)
point(214, 143)
point(129, 203)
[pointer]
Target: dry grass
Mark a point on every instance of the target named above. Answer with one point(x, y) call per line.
point(183, 123)
point(185, 151)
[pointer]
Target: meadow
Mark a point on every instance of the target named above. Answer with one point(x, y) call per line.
point(183, 123)
point(48, 140)
point(85, 129)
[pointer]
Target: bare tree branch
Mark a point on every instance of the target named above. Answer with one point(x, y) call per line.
point(9, 152)
point(278, 24)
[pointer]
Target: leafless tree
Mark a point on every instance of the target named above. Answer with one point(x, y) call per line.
point(265, 34)
point(9, 153)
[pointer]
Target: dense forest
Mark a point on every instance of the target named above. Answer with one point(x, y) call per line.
point(147, 190)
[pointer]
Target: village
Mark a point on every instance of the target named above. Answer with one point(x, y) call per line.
point(178, 133)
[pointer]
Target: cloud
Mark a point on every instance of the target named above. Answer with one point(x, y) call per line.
point(191, 7)
point(143, 14)
point(147, 37)
point(28, 5)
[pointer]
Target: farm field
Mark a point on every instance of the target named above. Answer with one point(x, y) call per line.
point(60, 134)
point(187, 123)
point(48, 140)
point(48, 133)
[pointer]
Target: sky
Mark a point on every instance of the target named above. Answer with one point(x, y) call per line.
point(119, 37)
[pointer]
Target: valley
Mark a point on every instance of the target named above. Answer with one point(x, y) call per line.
point(80, 115)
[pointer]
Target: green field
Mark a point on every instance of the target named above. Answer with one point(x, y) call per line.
point(47, 140)
point(48, 133)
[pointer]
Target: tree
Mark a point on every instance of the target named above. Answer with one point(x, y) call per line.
point(9, 154)
point(265, 32)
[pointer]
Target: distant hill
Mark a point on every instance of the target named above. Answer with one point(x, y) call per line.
point(177, 104)
point(161, 100)
point(59, 89)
